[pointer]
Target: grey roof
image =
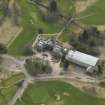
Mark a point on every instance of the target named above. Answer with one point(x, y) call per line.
point(58, 50)
point(81, 58)
point(41, 44)
point(50, 43)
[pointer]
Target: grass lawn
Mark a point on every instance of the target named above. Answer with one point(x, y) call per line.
point(67, 34)
point(98, 11)
point(7, 93)
point(1, 13)
point(31, 21)
point(44, 92)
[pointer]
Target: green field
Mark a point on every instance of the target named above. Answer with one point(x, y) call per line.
point(1, 13)
point(7, 93)
point(31, 21)
point(97, 17)
point(98, 14)
point(44, 92)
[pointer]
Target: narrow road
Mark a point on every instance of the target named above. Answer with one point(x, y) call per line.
point(25, 84)
point(30, 79)
point(68, 77)
point(21, 65)
point(19, 93)
point(14, 37)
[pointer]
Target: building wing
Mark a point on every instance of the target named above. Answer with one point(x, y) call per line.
point(81, 58)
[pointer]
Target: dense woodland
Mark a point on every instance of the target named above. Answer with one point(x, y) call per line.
point(89, 41)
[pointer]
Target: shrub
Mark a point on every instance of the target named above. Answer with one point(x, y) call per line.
point(38, 66)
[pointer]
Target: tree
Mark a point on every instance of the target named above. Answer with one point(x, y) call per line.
point(40, 31)
point(38, 66)
point(84, 36)
point(52, 11)
point(101, 66)
point(27, 51)
point(88, 41)
point(3, 49)
point(53, 6)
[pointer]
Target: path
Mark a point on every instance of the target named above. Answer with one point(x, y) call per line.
point(57, 76)
point(14, 37)
point(25, 84)
point(19, 93)
point(51, 77)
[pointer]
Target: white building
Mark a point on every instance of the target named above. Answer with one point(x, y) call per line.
point(81, 59)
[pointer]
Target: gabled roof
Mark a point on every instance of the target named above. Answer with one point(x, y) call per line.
point(58, 50)
point(82, 58)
